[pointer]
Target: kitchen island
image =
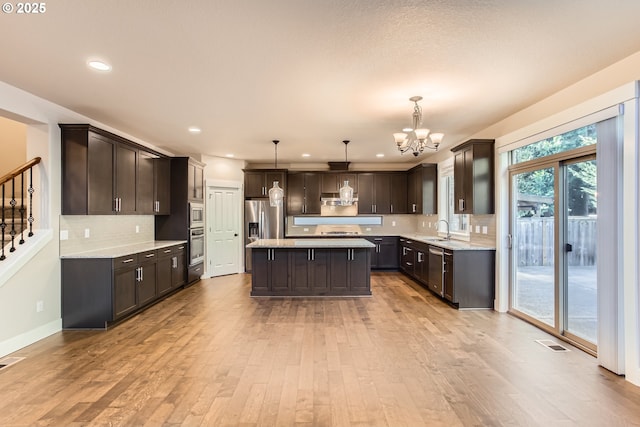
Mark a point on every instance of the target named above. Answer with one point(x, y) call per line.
point(311, 267)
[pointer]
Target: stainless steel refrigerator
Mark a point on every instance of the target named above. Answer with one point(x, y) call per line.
point(261, 221)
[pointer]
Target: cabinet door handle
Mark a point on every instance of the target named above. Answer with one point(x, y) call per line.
point(391, 207)
point(460, 204)
point(174, 262)
point(414, 207)
point(141, 274)
point(420, 256)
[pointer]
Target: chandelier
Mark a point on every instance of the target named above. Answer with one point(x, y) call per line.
point(417, 138)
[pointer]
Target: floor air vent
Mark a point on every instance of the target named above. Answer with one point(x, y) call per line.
point(8, 361)
point(552, 345)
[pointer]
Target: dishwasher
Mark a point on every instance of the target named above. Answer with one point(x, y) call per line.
point(436, 270)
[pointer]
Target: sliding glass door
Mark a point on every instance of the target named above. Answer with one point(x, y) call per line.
point(553, 237)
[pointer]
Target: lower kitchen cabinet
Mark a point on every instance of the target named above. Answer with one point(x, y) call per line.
point(407, 257)
point(385, 255)
point(466, 278)
point(170, 268)
point(99, 291)
point(469, 278)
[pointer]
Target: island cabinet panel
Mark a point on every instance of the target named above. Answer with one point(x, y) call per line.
point(270, 271)
point(310, 271)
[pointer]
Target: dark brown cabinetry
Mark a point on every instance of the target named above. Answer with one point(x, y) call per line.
point(186, 178)
point(422, 189)
point(306, 271)
point(374, 193)
point(99, 291)
point(399, 204)
point(270, 271)
point(385, 255)
point(310, 271)
point(195, 183)
point(473, 177)
point(303, 193)
point(407, 257)
point(332, 181)
point(469, 278)
point(465, 278)
point(154, 184)
point(103, 173)
point(258, 182)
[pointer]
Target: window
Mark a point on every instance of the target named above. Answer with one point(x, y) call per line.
point(557, 144)
point(458, 224)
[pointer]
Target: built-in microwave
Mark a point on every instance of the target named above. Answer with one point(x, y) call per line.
point(196, 215)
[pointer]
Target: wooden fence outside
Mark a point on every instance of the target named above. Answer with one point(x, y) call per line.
point(535, 241)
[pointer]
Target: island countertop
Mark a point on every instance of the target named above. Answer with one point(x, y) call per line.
point(351, 243)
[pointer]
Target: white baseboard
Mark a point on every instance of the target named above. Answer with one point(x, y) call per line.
point(16, 343)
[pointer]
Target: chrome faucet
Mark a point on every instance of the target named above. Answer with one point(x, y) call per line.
point(448, 232)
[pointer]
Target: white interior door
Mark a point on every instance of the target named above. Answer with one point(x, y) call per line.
point(223, 231)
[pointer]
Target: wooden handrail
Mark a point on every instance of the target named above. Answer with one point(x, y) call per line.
point(19, 170)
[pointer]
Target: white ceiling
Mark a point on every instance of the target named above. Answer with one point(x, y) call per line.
point(308, 72)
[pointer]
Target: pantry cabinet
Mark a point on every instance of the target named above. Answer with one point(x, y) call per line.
point(473, 177)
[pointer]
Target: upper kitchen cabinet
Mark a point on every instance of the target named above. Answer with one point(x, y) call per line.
point(422, 189)
point(376, 193)
point(332, 181)
point(473, 177)
point(195, 183)
point(257, 182)
point(154, 184)
point(303, 193)
point(103, 173)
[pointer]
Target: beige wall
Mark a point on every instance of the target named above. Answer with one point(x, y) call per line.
point(220, 168)
point(13, 143)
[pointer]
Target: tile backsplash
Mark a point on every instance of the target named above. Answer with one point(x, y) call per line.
point(89, 232)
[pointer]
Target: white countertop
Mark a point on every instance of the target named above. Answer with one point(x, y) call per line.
point(446, 244)
point(118, 251)
point(350, 243)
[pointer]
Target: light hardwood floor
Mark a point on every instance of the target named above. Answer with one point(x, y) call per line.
point(212, 356)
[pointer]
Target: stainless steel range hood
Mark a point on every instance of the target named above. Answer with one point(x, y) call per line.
point(330, 205)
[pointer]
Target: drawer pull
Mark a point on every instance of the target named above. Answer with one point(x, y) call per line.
point(167, 251)
point(149, 255)
point(127, 261)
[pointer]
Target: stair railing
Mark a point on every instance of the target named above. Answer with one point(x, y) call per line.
point(13, 228)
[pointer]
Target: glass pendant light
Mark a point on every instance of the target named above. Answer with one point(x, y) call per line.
point(346, 192)
point(276, 194)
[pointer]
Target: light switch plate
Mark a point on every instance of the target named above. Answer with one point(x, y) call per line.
point(87, 233)
point(484, 229)
point(477, 229)
point(64, 234)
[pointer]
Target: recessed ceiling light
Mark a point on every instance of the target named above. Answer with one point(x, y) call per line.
point(306, 155)
point(99, 65)
point(229, 155)
point(195, 129)
point(379, 155)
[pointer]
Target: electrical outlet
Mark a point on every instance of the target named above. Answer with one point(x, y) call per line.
point(484, 229)
point(422, 224)
point(87, 233)
point(393, 223)
point(367, 229)
point(305, 229)
point(39, 306)
point(137, 228)
point(64, 234)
